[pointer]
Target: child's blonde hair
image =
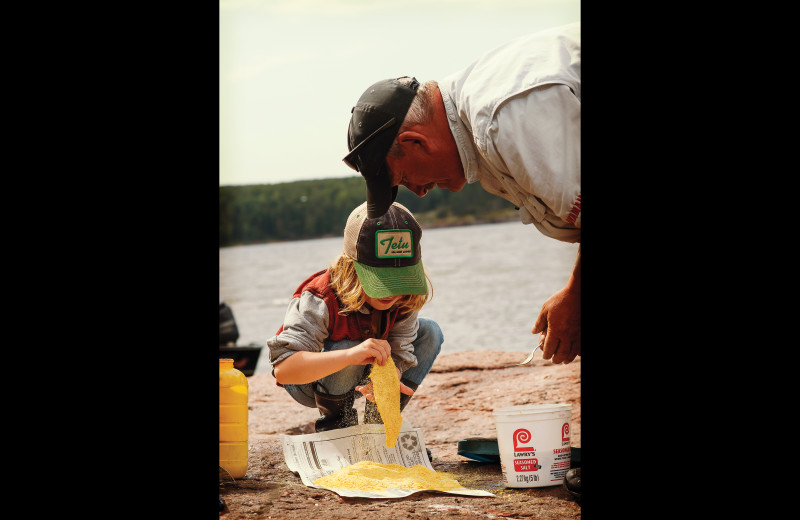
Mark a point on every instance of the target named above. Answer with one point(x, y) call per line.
point(345, 284)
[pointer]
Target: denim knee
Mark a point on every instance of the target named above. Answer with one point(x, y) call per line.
point(338, 383)
point(427, 347)
point(429, 339)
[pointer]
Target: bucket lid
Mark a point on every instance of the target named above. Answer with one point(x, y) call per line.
point(532, 408)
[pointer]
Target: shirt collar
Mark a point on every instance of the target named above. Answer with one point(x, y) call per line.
point(463, 138)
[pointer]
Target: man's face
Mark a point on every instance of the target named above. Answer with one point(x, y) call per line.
point(421, 178)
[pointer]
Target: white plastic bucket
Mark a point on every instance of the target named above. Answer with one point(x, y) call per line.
point(534, 445)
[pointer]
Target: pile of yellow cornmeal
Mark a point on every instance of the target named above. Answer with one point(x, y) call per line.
point(366, 475)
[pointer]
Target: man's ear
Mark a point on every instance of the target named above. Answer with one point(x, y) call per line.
point(413, 142)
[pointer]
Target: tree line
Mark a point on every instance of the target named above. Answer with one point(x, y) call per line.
point(319, 208)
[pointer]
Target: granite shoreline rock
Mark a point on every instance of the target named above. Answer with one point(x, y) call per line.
point(455, 402)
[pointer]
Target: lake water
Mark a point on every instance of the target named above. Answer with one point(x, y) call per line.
point(489, 283)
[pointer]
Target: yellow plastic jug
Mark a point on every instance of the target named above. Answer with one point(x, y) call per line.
point(232, 419)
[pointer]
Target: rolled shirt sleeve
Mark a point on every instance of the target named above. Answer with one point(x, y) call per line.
point(401, 339)
point(305, 328)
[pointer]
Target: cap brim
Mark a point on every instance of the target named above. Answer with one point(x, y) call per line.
point(380, 193)
point(382, 282)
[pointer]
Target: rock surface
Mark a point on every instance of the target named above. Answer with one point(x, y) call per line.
point(454, 402)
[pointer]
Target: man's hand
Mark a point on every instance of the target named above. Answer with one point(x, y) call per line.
point(559, 321)
point(560, 324)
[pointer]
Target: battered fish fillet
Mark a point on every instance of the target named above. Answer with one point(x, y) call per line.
point(386, 388)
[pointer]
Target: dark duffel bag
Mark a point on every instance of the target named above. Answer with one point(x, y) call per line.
point(228, 331)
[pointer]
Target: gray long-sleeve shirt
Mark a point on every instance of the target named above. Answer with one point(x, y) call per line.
point(305, 328)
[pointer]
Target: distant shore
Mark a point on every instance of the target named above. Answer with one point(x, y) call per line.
point(426, 221)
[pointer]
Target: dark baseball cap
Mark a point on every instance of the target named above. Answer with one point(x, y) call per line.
point(373, 127)
point(385, 251)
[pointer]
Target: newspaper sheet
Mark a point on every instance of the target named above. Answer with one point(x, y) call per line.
point(315, 455)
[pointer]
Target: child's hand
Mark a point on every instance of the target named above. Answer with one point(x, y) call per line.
point(370, 351)
point(367, 389)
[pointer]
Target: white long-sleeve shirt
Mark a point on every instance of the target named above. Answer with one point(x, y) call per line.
point(515, 115)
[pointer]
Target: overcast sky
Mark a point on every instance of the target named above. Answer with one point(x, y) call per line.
point(291, 70)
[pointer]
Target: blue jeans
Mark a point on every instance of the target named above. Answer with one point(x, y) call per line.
point(426, 347)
